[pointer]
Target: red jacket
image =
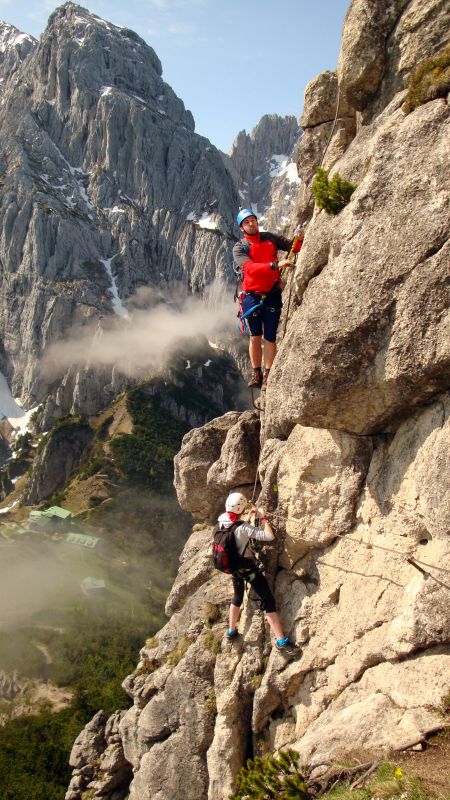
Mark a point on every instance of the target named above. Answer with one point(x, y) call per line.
point(253, 256)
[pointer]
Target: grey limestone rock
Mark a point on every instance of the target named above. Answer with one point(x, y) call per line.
point(220, 457)
point(382, 43)
point(369, 338)
point(328, 122)
point(11, 687)
point(372, 631)
point(200, 448)
point(355, 436)
point(100, 767)
point(14, 48)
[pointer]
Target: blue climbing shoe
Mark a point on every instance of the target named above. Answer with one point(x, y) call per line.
point(285, 646)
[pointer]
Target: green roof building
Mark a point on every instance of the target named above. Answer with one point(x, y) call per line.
point(56, 511)
point(51, 517)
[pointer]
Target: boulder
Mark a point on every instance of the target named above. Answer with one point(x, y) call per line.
point(220, 456)
point(362, 58)
point(238, 460)
point(200, 448)
point(320, 102)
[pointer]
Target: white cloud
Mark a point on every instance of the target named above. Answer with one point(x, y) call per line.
point(140, 343)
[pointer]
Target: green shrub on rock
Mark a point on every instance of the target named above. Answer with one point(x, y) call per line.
point(269, 777)
point(331, 195)
point(428, 81)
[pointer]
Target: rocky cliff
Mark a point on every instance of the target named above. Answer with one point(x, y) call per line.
point(349, 456)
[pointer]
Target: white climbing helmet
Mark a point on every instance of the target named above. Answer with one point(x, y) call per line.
point(236, 503)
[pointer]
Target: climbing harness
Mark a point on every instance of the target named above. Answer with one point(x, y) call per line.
point(242, 315)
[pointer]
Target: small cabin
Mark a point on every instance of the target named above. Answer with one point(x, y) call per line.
point(52, 519)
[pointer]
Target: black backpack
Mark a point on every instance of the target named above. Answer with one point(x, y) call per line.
point(224, 551)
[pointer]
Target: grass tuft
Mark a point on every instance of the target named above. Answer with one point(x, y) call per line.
point(428, 81)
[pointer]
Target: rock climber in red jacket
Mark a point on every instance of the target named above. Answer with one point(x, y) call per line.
point(256, 256)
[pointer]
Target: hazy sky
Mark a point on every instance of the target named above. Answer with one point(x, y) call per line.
point(229, 61)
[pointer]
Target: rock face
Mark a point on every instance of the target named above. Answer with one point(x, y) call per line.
point(14, 48)
point(216, 457)
point(371, 326)
point(100, 743)
point(10, 686)
point(64, 449)
point(353, 441)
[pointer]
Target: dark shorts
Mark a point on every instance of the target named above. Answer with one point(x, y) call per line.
point(264, 319)
point(260, 587)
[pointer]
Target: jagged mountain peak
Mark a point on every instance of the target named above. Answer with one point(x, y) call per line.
point(15, 46)
point(264, 165)
point(10, 36)
point(84, 29)
point(80, 52)
point(271, 130)
point(72, 14)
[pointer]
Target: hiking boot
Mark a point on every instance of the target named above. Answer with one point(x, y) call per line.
point(265, 378)
point(232, 634)
point(256, 379)
point(286, 647)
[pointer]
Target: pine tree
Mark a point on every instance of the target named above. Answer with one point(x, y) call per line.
point(331, 195)
point(271, 778)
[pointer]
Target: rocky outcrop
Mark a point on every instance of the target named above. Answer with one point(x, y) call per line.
point(351, 467)
point(10, 686)
point(98, 760)
point(216, 457)
point(369, 339)
point(64, 449)
point(382, 43)
point(371, 628)
point(319, 480)
point(14, 48)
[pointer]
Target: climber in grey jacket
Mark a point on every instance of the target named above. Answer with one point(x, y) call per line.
point(248, 571)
